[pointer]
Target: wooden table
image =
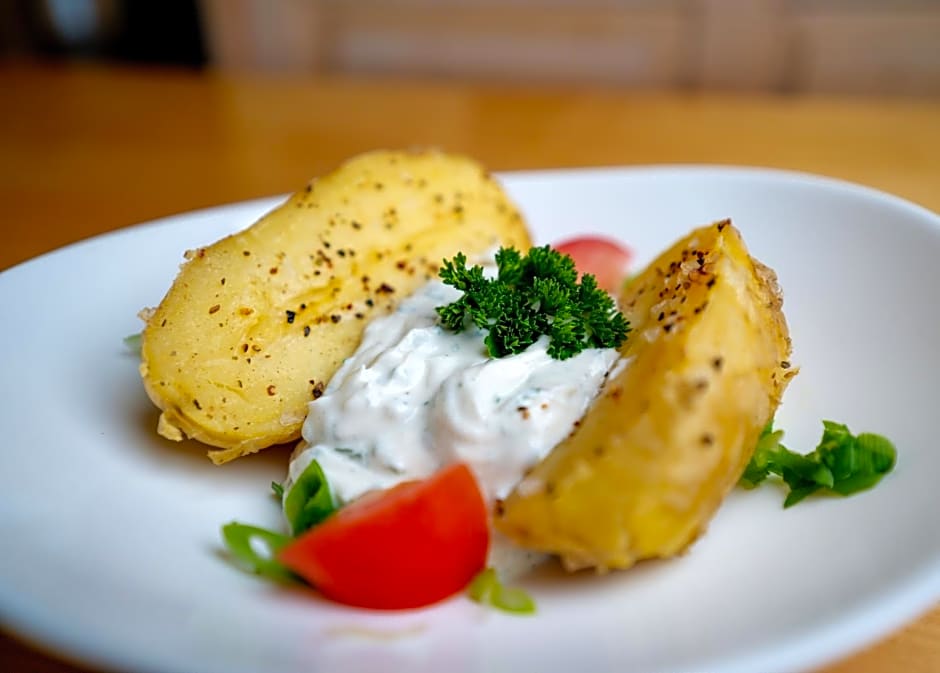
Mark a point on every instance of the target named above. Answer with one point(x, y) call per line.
point(84, 150)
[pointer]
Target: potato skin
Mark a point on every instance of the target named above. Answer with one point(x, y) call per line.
point(255, 325)
point(670, 435)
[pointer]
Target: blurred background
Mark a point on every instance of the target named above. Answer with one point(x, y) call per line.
point(119, 111)
point(801, 46)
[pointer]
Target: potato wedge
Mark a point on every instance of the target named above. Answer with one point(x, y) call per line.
point(671, 433)
point(256, 324)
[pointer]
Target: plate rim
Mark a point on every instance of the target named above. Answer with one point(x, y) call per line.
point(906, 601)
point(521, 175)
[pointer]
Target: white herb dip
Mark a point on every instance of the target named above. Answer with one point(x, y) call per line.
point(415, 397)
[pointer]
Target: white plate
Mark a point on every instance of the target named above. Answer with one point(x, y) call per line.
point(111, 536)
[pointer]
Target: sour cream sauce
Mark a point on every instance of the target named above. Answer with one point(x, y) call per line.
point(415, 397)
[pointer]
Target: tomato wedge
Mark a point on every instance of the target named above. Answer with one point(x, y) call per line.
point(409, 546)
point(606, 259)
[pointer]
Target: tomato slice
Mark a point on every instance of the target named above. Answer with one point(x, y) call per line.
point(409, 546)
point(606, 259)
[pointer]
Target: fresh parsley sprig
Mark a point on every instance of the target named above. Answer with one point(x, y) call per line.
point(532, 295)
point(843, 463)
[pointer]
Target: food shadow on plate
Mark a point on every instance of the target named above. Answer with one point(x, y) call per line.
point(188, 455)
point(550, 576)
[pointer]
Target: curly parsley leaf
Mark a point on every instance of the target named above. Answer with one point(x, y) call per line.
point(532, 295)
point(842, 463)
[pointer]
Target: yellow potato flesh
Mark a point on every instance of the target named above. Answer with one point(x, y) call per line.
point(255, 325)
point(670, 435)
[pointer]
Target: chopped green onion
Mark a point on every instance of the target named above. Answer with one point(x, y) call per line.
point(238, 538)
point(482, 585)
point(132, 342)
point(278, 489)
point(513, 599)
point(842, 462)
point(759, 466)
point(309, 500)
point(486, 589)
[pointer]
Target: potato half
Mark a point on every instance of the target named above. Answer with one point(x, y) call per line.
point(671, 433)
point(255, 324)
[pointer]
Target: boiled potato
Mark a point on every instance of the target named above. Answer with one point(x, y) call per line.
point(669, 435)
point(255, 324)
